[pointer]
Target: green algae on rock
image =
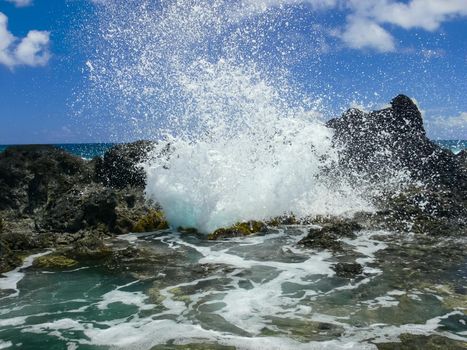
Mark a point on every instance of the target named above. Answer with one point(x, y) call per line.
point(153, 221)
point(54, 261)
point(238, 230)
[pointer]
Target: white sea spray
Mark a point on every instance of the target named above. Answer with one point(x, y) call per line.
point(238, 137)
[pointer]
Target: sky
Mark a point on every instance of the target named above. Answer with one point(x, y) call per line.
point(355, 52)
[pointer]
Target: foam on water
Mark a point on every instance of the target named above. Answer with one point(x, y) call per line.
point(5, 345)
point(11, 278)
point(244, 294)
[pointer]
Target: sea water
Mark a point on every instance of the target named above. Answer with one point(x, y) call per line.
point(260, 292)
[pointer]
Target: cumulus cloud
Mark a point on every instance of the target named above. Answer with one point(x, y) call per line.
point(448, 127)
point(361, 33)
point(364, 28)
point(425, 14)
point(32, 50)
point(21, 3)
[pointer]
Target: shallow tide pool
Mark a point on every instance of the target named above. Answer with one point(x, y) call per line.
point(260, 292)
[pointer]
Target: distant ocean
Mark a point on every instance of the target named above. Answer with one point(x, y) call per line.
point(91, 150)
point(84, 150)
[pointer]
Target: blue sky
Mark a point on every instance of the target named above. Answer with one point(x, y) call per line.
point(369, 51)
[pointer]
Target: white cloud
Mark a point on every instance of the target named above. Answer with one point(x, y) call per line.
point(361, 33)
point(364, 27)
point(425, 14)
point(32, 50)
point(366, 18)
point(21, 3)
point(448, 127)
point(6, 40)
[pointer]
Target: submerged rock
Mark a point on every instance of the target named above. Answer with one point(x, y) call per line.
point(238, 230)
point(348, 270)
point(425, 342)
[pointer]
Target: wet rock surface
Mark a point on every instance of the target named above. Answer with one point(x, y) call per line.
point(50, 198)
point(432, 197)
point(348, 270)
point(394, 138)
point(328, 235)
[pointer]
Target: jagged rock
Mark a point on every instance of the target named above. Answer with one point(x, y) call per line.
point(50, 198)
point(394, 138)
point(31, 175)
point(8, 259)
point(327, 236)
point(119, 167)
point(383, 144)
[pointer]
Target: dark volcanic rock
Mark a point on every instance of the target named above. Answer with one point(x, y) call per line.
point(376, 143)
point(462, 158)
point(120, 167)
point(327, 236)
point(380, 145)
point(49, 198)
point(31, 175)
point(8, 259)
point(348, 270)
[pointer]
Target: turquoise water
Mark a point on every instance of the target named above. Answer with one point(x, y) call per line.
point(454, 145)
point(260, 292)
point(84, 150)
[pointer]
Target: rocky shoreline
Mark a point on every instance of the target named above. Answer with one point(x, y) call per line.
point(52, 199)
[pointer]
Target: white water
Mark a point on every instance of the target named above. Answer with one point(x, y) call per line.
point(258, 158)
point(245, 142)
point(10, 280)
point(245, 293)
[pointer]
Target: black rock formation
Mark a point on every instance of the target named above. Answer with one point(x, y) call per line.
point(377, 145)
point(50, 197)
point(120, 166)
point(394, 138)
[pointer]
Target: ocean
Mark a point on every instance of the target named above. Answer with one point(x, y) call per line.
point(91, 150)
point(84, 150)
